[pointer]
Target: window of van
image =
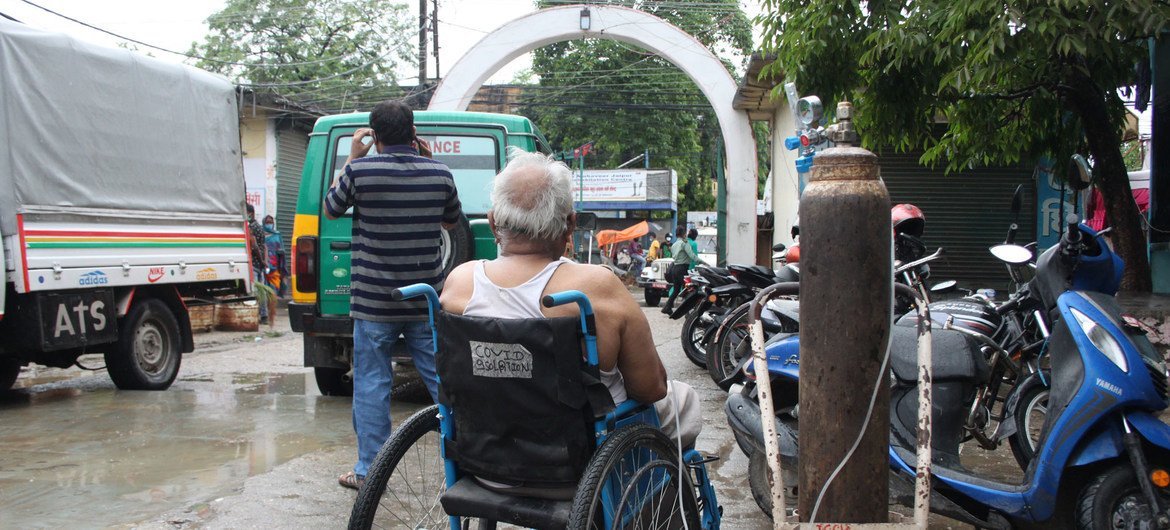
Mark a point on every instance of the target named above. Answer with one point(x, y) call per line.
point(473, 160)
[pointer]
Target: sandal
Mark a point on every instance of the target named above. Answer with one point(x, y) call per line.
point(351, 480)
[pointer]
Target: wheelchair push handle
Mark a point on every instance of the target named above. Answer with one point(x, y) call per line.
point(588, 324)
point(414, 291)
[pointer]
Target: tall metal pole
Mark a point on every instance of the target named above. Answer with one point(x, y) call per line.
point(422, 42)
point(846, 298)
point(435, 36)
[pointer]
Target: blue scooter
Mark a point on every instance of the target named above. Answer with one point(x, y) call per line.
point(1103, 460)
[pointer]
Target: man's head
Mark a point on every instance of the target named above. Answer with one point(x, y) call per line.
point(681, 231)
point(251, 212)
point(692, 234)
point(653, 236)
point(532, 200)
point(393, 123)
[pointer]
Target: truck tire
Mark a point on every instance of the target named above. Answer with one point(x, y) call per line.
point(333, 381)
point(146, 356)
point(9, 371)
point(458, 245)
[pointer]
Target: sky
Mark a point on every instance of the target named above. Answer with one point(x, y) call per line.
point(174, 25)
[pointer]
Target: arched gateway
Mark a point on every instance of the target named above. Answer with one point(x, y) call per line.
point(547, 26)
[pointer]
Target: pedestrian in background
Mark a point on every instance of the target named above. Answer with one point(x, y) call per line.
point(655, 248)
point(258, 260)
point(684, 260)
point(402, 200)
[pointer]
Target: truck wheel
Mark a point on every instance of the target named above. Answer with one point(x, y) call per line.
point(9, 371)
point(146, 356)
point(333, 381)
point(458, 245)
point(653, 296)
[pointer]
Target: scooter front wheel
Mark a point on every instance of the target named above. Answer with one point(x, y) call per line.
point(1114, 499)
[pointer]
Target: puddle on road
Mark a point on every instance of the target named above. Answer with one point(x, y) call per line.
point(98, 457)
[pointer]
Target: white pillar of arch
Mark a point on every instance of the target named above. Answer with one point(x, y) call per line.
point(547, 26)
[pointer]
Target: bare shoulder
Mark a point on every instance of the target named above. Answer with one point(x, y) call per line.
point(457, 287)
point(590, 279)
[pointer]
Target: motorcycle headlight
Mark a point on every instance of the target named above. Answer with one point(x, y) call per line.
point(1101, 339)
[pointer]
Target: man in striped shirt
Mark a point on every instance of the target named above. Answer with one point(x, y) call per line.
point(401, 200)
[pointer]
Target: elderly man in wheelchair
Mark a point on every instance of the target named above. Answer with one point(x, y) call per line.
point(554, 409)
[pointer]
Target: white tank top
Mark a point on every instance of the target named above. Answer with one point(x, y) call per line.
point(523, 301)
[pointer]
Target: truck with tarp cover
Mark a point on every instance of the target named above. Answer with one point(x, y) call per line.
point(121, 201)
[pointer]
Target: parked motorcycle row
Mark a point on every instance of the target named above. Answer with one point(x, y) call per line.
point(1053, 370)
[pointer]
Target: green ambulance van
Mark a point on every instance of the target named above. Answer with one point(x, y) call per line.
point(472, 144)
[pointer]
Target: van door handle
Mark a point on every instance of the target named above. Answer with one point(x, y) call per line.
point(339, 245)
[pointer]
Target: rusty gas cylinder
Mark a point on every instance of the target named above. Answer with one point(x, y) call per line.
point(845, 305)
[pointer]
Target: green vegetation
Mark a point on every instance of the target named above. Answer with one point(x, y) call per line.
point(1010, 82)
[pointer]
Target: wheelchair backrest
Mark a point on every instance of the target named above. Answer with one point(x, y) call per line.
point(522, 398)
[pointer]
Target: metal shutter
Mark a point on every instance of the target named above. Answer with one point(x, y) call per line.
point(966, 213)
point(290, 158)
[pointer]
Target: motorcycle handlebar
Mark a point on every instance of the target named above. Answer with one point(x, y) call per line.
point(1011, 235)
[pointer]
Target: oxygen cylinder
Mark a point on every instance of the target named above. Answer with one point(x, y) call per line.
point(845, 303)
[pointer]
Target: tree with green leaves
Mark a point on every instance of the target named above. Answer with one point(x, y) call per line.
point(1009, 81)
point(333, 55)
point(628, 101)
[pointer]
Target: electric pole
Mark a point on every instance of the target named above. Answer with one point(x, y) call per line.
point(422, 42)
point(435, 36)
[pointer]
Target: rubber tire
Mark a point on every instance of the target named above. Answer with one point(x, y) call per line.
point(1021, 448)
point(695, 351)
point(634, 437)
point(653, 297)
point(9, 371)
point(332, 381)
point(719, 361)
point(1096, 503)
point(760, 483)
point(462, 244)
point(410, 389)
point(365, 507)
point(122, 362)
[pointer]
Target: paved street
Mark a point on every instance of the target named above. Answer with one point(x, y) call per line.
point(242, 439)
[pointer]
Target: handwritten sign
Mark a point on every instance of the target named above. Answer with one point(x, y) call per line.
point(493, 359)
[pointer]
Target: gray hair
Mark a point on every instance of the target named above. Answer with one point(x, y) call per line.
point(533, 208)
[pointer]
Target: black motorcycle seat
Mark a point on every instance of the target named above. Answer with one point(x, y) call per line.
point(955, 356)
point(762, 271)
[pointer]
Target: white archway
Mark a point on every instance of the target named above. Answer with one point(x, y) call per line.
point(547, 26)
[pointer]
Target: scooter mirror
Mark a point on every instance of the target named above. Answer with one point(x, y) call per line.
point(1013, 254)
point(778, 247)
point(1017, 199)
point(586, 221)
point(1079, 173)
point(944, 287)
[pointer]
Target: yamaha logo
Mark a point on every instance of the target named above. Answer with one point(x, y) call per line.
point(93, 278)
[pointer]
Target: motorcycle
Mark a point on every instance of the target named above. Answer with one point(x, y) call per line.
point(729, 346)
point(1103, 456)
point(707, 293)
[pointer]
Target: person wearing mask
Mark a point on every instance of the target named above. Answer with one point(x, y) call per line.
point(685, 257)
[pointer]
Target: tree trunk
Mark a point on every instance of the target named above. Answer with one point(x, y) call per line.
point(1129, 240)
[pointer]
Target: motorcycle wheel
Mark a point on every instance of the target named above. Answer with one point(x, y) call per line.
point(726, 352)
point(692, 337)
point(1029, 419)
point(1114, 499)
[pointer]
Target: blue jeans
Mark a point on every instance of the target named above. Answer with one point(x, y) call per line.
point(373, 377)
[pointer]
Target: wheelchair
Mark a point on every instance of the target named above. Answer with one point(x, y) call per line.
point(526, 434)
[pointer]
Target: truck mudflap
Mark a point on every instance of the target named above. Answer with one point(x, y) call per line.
point(61, 320)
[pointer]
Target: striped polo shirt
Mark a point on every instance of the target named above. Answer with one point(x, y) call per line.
point(398, 199)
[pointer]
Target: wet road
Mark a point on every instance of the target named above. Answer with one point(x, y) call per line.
point(242, 440)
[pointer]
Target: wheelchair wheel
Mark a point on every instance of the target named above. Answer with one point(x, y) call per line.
point(404, 483)
point(634, 481)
